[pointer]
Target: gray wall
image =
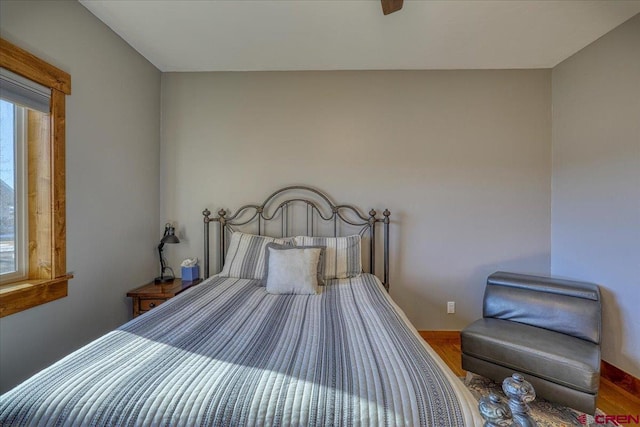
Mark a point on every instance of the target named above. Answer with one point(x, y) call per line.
point(596, 182)
point(462, 159)
point(113, 126)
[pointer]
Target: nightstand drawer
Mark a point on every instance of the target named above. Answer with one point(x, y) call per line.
point(152, 295)
point(148, 304)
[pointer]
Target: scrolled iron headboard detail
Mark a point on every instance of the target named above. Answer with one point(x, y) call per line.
point(319, 208)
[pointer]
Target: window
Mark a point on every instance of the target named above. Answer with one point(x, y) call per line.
point(32, 170)
point(13, 192)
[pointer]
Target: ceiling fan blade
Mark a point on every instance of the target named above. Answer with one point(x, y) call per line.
point(390, 6)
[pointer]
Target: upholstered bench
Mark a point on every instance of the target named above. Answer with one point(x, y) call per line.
point(546, 329)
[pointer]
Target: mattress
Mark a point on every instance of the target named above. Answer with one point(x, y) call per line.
point(228, 353)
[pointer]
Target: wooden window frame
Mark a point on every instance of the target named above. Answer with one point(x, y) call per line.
point(47, 275)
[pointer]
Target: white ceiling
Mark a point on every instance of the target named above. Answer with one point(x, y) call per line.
point(233, 35)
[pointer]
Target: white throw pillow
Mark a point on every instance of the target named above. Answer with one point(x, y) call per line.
point(292, 270)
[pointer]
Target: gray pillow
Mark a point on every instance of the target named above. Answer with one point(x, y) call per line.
point(292, 270)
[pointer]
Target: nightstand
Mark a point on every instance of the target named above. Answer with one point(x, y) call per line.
point(151, 295)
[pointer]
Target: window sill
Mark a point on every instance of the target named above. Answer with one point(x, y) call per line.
point(19, 296)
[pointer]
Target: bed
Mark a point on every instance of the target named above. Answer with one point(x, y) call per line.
point(230, 352)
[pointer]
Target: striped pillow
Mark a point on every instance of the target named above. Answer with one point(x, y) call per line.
point(342, 257)
point(245, 256)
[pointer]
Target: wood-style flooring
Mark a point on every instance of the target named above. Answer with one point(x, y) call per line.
point(611, 398)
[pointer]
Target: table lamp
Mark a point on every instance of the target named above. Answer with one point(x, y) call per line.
point(169, 236)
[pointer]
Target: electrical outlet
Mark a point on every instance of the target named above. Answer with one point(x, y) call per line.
point(451, 307)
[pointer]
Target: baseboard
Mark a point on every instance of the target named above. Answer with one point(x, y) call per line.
point(440, 336)
point(620, 378)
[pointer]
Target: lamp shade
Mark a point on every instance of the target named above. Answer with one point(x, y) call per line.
point(171, 238)
point(170, 234)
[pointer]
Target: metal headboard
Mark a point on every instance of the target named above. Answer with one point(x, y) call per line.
point(318, 209)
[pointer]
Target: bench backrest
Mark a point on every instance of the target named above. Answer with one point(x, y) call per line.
point(565, 306)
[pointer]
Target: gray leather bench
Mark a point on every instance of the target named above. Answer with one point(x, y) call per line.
point(546, 329)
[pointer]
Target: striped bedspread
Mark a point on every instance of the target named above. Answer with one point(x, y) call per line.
point(226, 353)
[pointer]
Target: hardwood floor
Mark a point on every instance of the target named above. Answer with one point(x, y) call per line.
point(612, 399)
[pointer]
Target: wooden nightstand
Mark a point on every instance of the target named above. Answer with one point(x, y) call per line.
point(151, 295)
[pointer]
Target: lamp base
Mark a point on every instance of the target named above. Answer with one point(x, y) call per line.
point(164, 279)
